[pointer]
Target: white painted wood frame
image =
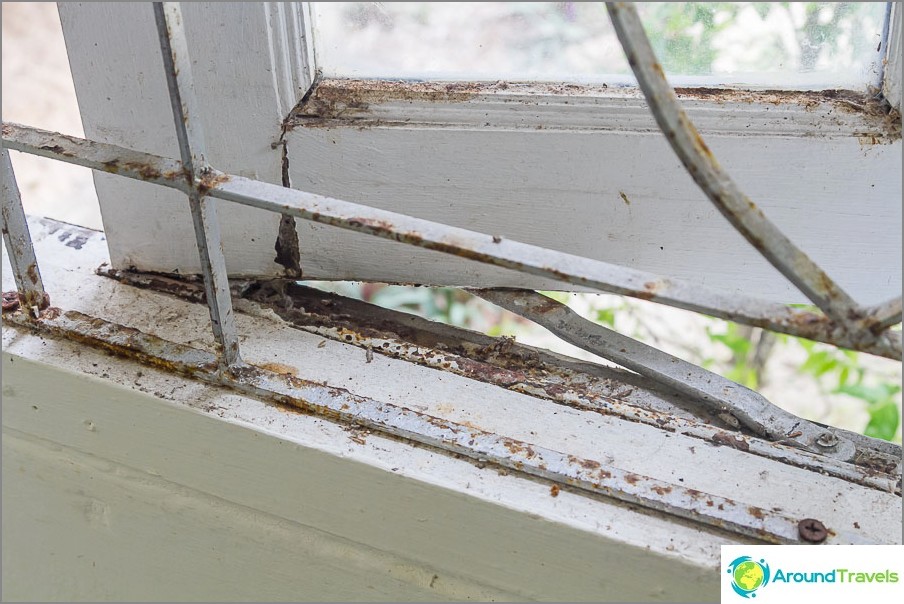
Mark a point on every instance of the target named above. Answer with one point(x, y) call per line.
point(123, 481)
point(583, 170)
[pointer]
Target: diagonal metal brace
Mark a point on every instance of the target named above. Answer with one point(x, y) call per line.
point(750, 408)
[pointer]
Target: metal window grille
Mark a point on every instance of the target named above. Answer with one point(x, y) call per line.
point(842, 321)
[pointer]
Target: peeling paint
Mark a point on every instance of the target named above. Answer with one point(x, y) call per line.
point(516, 367)
point(333, 100)
point(362, 413)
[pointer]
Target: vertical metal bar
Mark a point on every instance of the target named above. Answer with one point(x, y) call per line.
point(17, 238)
point(715, 182)
point(176, 60)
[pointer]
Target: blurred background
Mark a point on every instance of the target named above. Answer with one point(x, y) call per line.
point(757, 44)
point(771, 44)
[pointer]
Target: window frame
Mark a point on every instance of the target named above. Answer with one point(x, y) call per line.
point(280, 73)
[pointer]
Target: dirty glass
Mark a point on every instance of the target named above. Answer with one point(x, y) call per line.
point(788, 44)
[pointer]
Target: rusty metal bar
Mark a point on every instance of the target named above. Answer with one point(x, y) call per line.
point(452, 240)
point(722, 395)
point(718, 185)
point(338, 404)
point(177, 63)
point(17, 238)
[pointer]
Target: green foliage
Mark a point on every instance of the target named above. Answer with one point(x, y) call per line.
point(684, 33)
point(687, 35)
point(741, 346)
point(835, 370)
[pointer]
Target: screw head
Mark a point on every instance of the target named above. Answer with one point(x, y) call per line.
point(827, 440)
point(812, 530)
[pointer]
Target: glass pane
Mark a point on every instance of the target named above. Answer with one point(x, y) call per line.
point(788, 44)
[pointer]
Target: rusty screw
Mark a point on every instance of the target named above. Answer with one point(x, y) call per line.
point(827, 440)
point(812, 530)
point(10, 301)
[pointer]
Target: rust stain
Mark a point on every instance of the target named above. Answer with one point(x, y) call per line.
point(341, 98)
point(701, 144)
point(756, 512)
point(632, 479)
point(554, 490)
point(650, 290)
point(847, 100)
point(730, 440)
point(32, 272)
point(351, 99)
point(10, 301)
point(144, 171)
point(662, 490)
point(280, 368)
point(380, 226)
point(210, 180)
point(50, 313)
point(514, 446)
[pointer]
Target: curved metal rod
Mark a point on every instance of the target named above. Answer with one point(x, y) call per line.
point(719, 187)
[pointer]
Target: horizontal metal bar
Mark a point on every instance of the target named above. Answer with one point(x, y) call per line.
point(452, 240)
point(177, 65)
point(718, 185)
point(340, 405)
point(750, 408)
point(18, 243)
point(97, 156)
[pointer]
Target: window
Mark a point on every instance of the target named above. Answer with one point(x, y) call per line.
point(580, 166)
point(489, 156)
point(790, 46)
point(572, 167)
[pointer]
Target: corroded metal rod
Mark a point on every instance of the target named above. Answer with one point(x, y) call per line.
point(177, 63)
point(452, 240)
point(18, 243)
point(718, 185)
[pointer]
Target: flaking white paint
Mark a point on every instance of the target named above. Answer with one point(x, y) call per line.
point(181, 490)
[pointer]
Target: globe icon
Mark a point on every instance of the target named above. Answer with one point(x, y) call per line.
point(748, 575)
